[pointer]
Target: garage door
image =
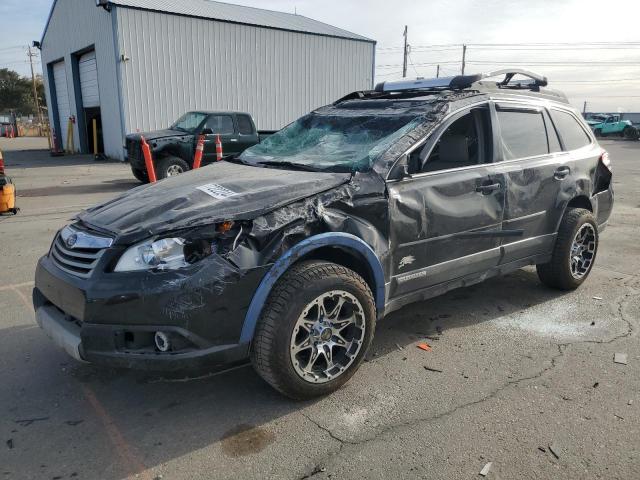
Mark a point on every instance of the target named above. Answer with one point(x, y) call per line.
point(62, 97)
point(89, 80)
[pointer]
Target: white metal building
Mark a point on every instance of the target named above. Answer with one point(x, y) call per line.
point(140, 64)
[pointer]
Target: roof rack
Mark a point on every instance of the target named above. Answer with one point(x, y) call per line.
point(464, 81)
point(427, 86)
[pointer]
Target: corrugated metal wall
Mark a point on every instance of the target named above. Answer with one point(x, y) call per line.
point(179, 63)
point(76, 25)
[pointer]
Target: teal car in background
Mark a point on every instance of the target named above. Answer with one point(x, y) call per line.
point(605, 125)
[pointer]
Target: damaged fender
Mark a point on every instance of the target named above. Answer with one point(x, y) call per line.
point(293, 254)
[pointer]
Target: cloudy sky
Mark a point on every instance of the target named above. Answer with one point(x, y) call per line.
point(603, 69)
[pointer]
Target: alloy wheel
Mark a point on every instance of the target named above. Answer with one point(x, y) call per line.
point(327, 336)
point(583, 251)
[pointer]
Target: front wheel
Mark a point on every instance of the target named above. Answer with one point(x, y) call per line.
point(314, 330)
point(598, 132)
point(170, 166)
point(574, 251)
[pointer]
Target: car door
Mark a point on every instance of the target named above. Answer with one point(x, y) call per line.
point(609, 125)
point(223, 125)
point(247, 134)
point(530, 157)
point(446, 215)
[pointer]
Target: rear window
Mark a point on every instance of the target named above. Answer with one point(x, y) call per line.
point(523, 134)
point(572, 134)
point(244, 125)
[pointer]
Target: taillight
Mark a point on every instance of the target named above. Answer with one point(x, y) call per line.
point(605, 160)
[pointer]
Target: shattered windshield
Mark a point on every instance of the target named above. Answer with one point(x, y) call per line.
point(189, 121)
point(331, 142)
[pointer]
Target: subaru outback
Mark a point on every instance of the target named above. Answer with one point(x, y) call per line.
point(288, 254)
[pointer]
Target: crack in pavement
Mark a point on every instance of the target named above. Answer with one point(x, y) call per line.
point(561, 347)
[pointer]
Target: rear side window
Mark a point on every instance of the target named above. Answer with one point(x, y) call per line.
point(244, 125)
point(220, 124)
point(572, 134)
point(523, 134)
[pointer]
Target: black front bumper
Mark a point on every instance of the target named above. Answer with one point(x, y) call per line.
point(110, 318)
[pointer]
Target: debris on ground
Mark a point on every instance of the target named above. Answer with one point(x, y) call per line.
point(555, 450)
point(620, 358)
point(28, 421)
point(432, 369)
point(618, 416)
point(424, 346)
point(431, 338)
point(485, 470)
point(439, 329)
point(595, 385)
point(542, 449)
point(597, 298)
point(399, 347)
point(630, 402)
point(10, 443)
point(593, 323)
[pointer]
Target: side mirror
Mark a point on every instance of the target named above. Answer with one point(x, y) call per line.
point(207, 131)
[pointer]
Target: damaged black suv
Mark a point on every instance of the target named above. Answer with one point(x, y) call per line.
point(288, 254)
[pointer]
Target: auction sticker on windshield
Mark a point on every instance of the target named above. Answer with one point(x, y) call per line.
point(217, 191)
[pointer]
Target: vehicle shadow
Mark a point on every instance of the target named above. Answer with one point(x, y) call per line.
point(159, 418)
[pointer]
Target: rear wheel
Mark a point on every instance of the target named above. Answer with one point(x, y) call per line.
point(630, 133)
point(314, 330)
point(170, 166)
point(574, 252)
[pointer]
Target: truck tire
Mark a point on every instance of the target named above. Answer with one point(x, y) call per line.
point(170, 166)
point(314, 330)
point(574, 252)
point(141, 175)
point(630, 133)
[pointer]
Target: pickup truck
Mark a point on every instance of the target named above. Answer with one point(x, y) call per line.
point(173, 149)
point(604, 125)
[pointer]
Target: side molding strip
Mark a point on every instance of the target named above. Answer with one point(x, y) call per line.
point(346, 240)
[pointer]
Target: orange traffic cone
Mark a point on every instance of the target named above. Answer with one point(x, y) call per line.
point(197, 158)
point(218, 148)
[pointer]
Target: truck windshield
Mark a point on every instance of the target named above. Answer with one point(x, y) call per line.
point(331, 142)
point(189, 121)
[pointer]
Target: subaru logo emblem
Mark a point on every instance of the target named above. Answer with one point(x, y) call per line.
point(71, 240)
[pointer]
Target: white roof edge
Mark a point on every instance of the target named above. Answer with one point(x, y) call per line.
point(245, 15)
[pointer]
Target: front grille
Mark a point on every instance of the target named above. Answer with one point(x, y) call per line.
point(81, 256)
point(134, 151)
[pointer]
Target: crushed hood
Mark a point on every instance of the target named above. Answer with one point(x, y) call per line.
point(218, 192)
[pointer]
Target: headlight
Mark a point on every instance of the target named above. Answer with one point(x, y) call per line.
point(166, 253)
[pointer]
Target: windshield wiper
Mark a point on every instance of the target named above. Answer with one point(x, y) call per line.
point(289, 165)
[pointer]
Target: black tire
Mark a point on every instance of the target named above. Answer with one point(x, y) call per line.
point(140, 175)
point(292, 294)
point(169, 166)
point(630, 133)
point(597, 132)
point(558, 272)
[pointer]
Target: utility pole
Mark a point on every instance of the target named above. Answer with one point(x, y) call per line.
point(438, 71)
point(35, 90)
point(584, 109)
point(464, 57)
point(406, 54)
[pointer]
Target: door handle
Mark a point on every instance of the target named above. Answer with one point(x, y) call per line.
point(561, 173)
point(487, 189)
point(233, 139)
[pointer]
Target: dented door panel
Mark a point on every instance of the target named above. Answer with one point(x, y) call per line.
point(442, 219)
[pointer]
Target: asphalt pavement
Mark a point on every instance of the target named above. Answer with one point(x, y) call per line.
point(519, 375)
